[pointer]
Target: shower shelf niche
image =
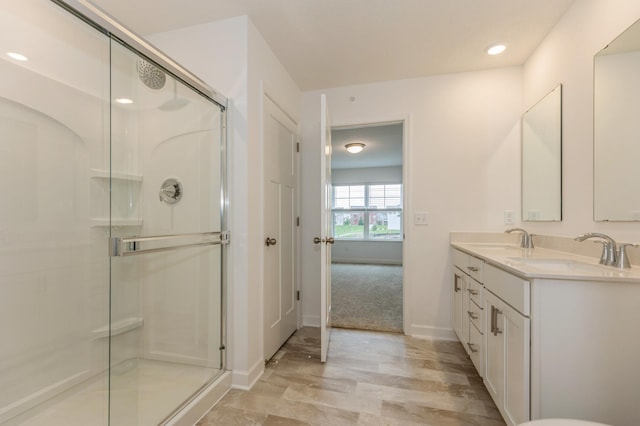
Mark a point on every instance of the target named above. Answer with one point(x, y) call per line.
point(116, 222)
point(105, 174)
point(118, 327)
point(120, 190)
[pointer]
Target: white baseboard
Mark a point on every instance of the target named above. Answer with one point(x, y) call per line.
point(245, 379)
point(427, 332)
point(311, 321)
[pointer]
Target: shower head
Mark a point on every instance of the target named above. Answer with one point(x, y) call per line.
point(152, 76)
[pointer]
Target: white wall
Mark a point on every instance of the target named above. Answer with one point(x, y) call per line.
point(232, 57)
point(461, 165)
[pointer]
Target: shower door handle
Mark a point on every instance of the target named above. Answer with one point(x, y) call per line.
point(131, 246)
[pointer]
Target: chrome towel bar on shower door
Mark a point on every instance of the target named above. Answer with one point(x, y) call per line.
point(130, 246)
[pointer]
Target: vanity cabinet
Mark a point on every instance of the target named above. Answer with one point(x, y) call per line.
point(468, 310)
point(560, 333)
point(507, 376)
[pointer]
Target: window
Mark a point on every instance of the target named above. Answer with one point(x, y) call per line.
point(367, 212)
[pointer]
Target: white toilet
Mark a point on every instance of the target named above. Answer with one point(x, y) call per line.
point(561, 422)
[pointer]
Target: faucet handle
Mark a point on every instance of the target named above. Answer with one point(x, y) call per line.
point(606, 248)
point(623, 259)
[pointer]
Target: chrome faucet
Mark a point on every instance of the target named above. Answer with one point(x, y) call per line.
point(526, 241)
point(609, 249)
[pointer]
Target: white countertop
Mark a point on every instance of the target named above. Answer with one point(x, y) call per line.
point(546, 263)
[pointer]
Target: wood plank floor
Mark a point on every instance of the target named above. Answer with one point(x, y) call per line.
point(371, 378)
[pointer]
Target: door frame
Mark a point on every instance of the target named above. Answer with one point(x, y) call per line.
point(405, 119)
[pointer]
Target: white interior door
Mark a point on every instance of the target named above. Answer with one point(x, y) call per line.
point(326, 230)
point(280, 305)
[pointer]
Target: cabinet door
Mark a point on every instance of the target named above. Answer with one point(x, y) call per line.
point(458, 295)
point(494, 348)
point(516, 365)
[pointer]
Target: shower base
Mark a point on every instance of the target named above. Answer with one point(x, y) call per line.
point(143, 392)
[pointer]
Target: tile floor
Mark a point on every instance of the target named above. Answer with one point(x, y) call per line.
point(370, 378)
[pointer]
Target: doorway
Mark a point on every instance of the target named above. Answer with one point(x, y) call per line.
point(367, 218)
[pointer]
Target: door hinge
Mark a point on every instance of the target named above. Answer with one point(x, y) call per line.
point(297, 146)
point(298, 295)
point(298, 221)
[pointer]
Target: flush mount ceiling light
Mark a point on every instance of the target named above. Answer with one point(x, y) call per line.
point(17, 56)
point(496, 49)
point(123, 101)
point(354, 147)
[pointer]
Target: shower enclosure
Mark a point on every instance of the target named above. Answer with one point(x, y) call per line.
point(112, 230)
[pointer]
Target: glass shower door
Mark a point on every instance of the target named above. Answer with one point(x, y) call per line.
point(164, 179)
point(54, 287)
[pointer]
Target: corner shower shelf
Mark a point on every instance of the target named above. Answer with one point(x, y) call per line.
point(116, 222)
point(118, 327)
point(105, 174)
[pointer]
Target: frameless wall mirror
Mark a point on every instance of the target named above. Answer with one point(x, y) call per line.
point(616, 130)
point(542, 159)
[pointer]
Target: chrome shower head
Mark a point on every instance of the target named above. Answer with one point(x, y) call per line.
point(152, 76)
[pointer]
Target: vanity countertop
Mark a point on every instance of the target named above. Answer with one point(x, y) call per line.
point(546, 263)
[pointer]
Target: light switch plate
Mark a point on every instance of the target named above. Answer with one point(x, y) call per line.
point(509, 217)
point(420, 218)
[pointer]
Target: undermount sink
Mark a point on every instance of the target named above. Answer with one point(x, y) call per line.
point(494, 247)
point(555, 265)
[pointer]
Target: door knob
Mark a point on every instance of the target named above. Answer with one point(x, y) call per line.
point(330, 240)
point(317, 240)
point(270, 241)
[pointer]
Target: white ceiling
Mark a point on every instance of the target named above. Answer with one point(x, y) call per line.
point(330, 43)
point(383, 146)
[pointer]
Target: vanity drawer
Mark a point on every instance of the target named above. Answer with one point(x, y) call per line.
point(475, 268)
point(460, 260)
point(475, 290)
point(474, 312)
point(475, 349)
point(510, 288)
point(468, 264)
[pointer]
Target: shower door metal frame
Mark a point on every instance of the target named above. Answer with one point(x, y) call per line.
point(104, 23)
point(100, 20)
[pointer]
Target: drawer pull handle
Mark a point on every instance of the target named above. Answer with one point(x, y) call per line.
point(472, 291)
point(456, 287)
point(473, 315)
point(473, 268)
point(471, 345)
point(494, 320)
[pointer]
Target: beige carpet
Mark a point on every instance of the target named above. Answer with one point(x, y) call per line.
point(367, 297)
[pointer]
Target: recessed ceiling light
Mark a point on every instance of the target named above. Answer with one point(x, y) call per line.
point(355, 147)
point(496, 49)
point(123, 101)
point(17, 56)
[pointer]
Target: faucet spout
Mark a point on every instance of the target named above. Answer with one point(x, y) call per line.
point(526, 241)
point(609, 249)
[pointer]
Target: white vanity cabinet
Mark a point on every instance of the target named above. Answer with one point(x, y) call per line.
point(507, 355)
point(468, 311)
point(560, 333)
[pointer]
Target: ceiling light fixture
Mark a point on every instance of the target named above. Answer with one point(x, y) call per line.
point(354, 147)
point(123, 101)
point(17, 56)
point(496, 49)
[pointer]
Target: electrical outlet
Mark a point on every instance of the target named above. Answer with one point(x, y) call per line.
point(509, 217)
point(420, 218)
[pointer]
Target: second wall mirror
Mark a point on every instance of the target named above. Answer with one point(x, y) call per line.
point(616, 129)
